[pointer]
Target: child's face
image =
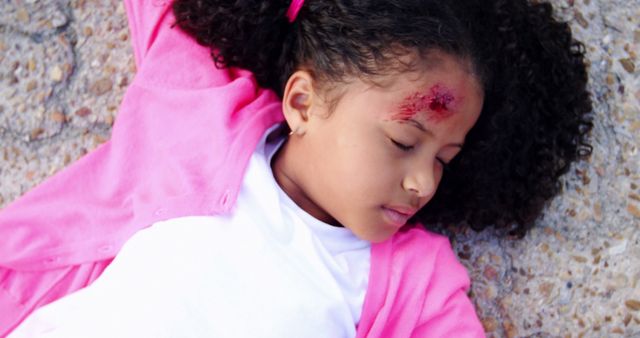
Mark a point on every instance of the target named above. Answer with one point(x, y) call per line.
point(375, 160)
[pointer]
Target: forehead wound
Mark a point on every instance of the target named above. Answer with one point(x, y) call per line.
point(437, 104)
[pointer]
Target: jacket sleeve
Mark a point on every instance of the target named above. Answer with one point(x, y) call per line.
point(448, 311)
point(21, 292)
point(145, 22)
point(163, 161)
point(52, 238)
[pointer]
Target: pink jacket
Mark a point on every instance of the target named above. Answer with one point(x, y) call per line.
point(181, 143)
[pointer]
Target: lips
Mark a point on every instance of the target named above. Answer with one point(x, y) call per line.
point(398, 216)
point(403, 210)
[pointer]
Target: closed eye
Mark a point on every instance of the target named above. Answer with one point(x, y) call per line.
point(401, 146)
point(407, 148)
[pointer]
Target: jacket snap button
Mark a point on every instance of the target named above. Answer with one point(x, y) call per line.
point(225, 199)
point(51, 260)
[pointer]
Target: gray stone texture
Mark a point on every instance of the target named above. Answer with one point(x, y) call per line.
point(65, 64)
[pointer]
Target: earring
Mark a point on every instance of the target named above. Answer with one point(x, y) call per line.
point(296, 131)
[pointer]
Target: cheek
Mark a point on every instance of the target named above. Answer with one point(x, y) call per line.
point(355, 161)
point(362, 168)
point(372, 173)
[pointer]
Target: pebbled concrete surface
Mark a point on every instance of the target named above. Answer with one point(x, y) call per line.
point(64, 66)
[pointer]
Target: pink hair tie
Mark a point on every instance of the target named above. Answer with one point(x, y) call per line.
point(293, 10)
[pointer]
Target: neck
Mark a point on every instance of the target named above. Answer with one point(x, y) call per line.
point(289, 174)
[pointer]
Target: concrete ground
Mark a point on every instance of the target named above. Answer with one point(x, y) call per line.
point(65, 64)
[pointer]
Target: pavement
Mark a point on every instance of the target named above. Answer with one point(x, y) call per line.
point(65, 64)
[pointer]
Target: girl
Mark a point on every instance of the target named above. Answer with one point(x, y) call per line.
point(309, 226)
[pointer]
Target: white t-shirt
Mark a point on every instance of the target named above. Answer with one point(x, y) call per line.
point(267, 270)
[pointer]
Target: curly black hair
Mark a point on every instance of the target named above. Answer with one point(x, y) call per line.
point(536, 115)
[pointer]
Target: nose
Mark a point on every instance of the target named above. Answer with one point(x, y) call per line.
point(421, 182)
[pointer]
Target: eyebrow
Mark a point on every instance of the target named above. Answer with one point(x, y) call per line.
point(419, 125)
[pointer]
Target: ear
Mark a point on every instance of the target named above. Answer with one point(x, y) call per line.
point(297, 101)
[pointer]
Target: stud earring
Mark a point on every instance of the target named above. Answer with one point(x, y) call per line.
point(297, 131)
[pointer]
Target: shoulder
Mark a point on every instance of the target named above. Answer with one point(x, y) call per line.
point(441, 282)
point(428, 245)
point(429, 255)
point(417, 235)
point(421, 271)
